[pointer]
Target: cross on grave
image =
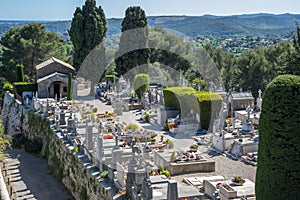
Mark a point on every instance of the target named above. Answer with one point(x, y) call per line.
point(259, 93)
point(248, 109)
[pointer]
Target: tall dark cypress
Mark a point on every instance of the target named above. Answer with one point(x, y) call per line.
point(88, 29)
point(278, 174)
point(133, 46)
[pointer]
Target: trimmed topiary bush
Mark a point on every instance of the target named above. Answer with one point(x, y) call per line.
point(278, 174)
point(21, 87)
point(181, 98)
point(209, 107)
point(207, 104)
point(141, 83)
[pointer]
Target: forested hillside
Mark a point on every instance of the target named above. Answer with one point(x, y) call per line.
point(263, 25)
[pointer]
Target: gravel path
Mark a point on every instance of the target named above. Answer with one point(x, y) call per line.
point(32, 179)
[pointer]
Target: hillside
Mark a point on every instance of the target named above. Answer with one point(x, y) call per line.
point(266, 25)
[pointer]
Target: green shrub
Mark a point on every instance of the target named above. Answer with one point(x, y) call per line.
point(141, 83)
point(21, 87)
point(69, 89)
point(185, 99)
point(104, 174)
point(209, 107)
point(182, 99)
point(165, 127)
point(131, 126)
point(278, 174)
point(110, 77)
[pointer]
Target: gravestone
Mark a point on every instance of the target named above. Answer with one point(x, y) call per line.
point(62, 118)
point(120, 176)
point(89, 136)
point(71, 125)
point(247, 125)
point(99, 152)
point(172, 192)
point(57, 123)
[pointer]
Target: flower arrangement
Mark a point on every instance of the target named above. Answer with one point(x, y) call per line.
point(171, 125)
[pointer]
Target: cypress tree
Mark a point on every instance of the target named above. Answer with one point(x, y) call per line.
point(69, 88)
point(278, 174)
point(20, 73)
point(133, 44)
point(88, 29)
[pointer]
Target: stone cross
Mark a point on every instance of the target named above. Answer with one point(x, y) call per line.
point(259, 93)
point(100, 128)
point(47, 107)
point(248, 113)
point(56, 122)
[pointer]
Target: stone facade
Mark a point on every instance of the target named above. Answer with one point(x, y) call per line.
point(52, 79)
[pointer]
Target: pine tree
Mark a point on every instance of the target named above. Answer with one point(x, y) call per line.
point(133, 45)
point(88, 29)
point(28, 46)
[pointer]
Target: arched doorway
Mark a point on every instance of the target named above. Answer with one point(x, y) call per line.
point(57, 89)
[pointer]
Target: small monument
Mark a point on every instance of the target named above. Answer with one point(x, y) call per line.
point(62, 118)
point(259, 101)
point(71, 125)
point(247, 125)
point(89, 135)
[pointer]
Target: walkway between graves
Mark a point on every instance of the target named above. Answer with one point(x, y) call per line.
point(30, 178)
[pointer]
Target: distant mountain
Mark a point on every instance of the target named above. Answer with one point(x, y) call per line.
point(261, 24)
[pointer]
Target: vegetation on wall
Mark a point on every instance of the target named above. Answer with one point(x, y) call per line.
point(278, 175)
point(4, 141)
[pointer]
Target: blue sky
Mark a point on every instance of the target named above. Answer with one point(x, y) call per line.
point(63, 9)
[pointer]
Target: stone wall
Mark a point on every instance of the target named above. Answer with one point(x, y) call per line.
point(74, 170)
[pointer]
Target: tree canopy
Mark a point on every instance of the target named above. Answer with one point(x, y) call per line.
point(133, 44)
point(88, 29)
point(28, 46)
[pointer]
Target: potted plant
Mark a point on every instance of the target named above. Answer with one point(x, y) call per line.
point(173, 156)
point(237, 180)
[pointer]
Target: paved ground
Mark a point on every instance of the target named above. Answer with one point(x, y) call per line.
point(31, 179)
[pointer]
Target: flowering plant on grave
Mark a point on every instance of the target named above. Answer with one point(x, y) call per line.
point(171, 125)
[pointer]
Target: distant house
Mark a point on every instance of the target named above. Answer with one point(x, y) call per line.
point(52, 78)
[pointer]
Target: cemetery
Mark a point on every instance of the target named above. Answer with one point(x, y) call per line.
point(122, 156)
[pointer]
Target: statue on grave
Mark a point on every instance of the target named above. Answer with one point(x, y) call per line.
point(259, 100)
point(247, 125)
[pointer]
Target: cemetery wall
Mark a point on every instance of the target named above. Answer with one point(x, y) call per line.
point(63, 163)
